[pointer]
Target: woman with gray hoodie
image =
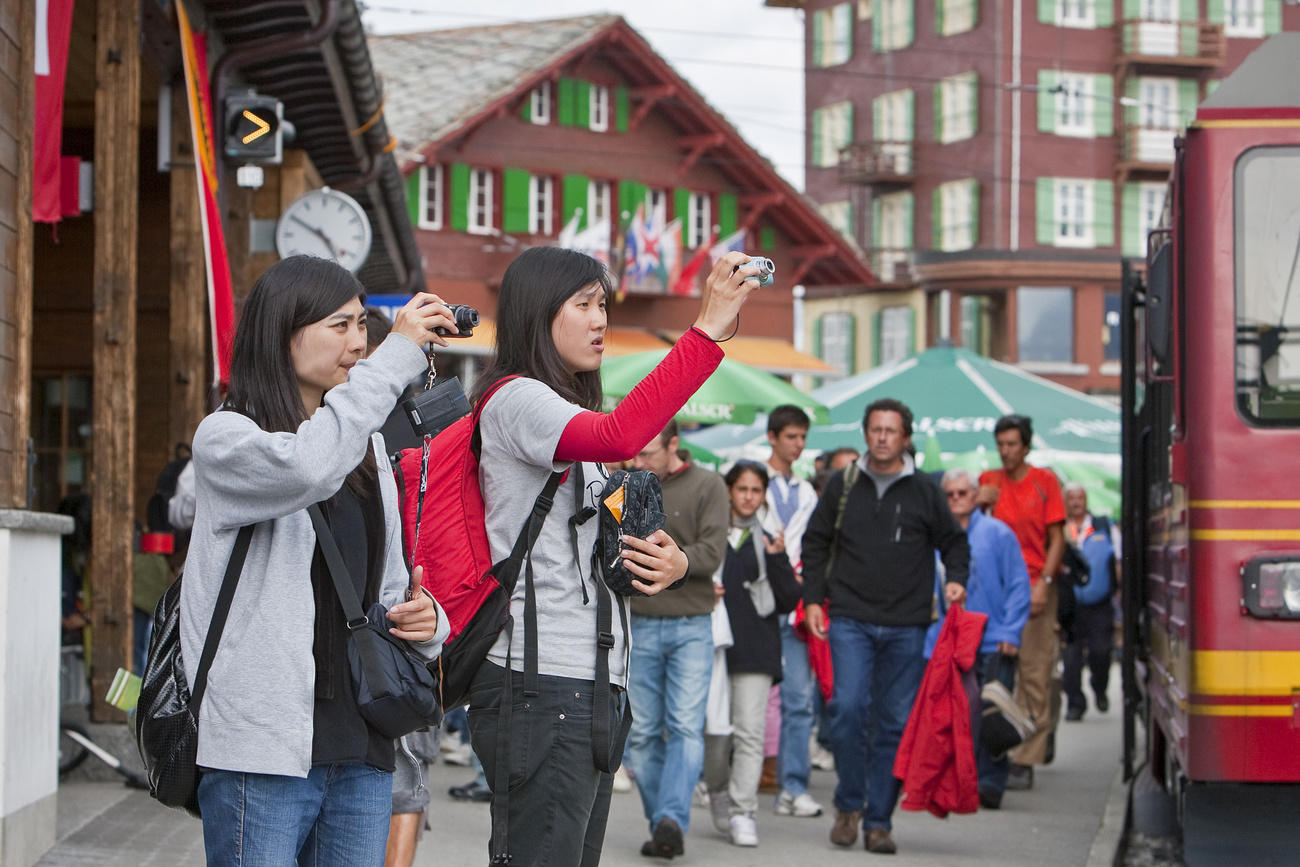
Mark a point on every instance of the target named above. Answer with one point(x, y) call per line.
point(292, 773)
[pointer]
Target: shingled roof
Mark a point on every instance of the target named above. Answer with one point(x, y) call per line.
point(441, 84)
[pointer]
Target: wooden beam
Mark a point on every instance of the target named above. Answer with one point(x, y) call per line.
point(756, 205)
point(809, 255)
point(117, 157)
point(187, 304)
point(19, 385)
point(698, 145)
point(648, 97)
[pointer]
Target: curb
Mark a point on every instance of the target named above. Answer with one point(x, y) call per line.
point(1106, 842)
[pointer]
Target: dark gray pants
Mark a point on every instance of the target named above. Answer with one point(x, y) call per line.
point(559, 802)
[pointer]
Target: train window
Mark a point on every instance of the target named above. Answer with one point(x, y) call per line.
point(1266, 252)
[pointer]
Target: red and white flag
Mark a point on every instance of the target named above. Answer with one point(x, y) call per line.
point(53, 32)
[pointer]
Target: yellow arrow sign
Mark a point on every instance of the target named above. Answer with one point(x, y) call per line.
point(262, 127)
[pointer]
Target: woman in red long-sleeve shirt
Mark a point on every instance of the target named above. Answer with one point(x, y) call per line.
point(551, 323)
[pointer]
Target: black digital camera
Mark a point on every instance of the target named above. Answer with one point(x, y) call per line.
point(433, 410)
point(466, 319)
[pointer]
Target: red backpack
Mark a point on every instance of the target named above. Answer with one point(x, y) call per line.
point(457, 559)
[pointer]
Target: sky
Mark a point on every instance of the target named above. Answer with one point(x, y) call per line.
point(746, 59)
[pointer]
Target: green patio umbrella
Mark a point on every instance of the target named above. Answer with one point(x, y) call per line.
point(702, 457)
point(734, 393)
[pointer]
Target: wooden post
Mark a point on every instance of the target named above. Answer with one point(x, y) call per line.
point(187, 307)
point(117, 155)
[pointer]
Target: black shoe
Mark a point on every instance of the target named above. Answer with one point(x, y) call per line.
point(1020, 777)
point(1074, 714)
point(666, 842)
point(1049, 754)
point(990, 799)
point(1102, 703)
point(471, 791)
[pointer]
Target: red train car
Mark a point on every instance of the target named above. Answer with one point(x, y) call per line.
point(1212, 473)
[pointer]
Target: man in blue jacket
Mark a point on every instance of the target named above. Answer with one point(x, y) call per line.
point(999, 587)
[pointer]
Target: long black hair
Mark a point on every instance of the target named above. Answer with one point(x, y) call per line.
point(533, 291)
point(290, 295)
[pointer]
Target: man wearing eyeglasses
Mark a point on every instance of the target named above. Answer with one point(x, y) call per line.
point(999, 587)
point(1028, 500)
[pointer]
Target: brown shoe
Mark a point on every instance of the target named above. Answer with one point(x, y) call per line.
point(845, 830)
point(768, 784)
point(879, 842)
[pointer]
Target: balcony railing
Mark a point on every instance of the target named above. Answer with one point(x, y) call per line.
point(1150, 146)
point(876, 162)
point(892, 265)
point(1178, 43)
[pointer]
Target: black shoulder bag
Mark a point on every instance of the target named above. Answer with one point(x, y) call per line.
point(167, 716)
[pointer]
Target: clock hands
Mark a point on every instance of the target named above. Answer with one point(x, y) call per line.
point(319, 233)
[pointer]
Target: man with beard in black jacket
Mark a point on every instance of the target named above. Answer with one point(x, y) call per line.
point(869, 550)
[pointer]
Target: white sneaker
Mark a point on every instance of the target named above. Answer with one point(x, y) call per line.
point(744, 831)
point(720, 808)
point(700, 795)
point(823, 759)
point(802, 806)
point(461, 754)
point(622, 782)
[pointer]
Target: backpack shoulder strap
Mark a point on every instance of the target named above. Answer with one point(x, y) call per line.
point(850, 475)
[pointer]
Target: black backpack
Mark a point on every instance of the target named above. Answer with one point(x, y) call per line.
point(164, 490)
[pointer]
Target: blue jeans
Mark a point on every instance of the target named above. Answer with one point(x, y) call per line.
point(336, 815)
point(993, 772)
point(672, 662)
point(798, 686)
point(878, 671)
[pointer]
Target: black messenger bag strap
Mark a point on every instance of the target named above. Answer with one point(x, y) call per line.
point(220, 612)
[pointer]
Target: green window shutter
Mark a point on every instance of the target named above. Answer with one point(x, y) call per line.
point(818, 348)
point(910, 15)
point(877, 134)
point(1045, 210)
point(911, 330)
point(818, 124)
point(1188, 99)
point(938, 16)
point(573, 198)
point(1103, 13)
point(681, 207)
point(908, 212)
point(630, 194)
point(1133, 111)
point(974, 103)
point(910, 114)
point(582, 103)
point(1130, 214)
point(936, 218)
point(1046, 100)
point(850, 134)
point(459, 196)
point(974, 213)
point(938, 109)
point(875, 223)
point(1133, 9)
point(877, 22)
point(526, 110)
point(974, 14)
point(1047, 11)
point(1187, 9)
point(1214, 11)
point(819, 34)
point(852, 361)
point(767, 239)
point(844, 12)
point(1103, 209)
point(413, 184)
point(564, 101)
point(1272, 16)
point(1103, 102)
point(877, 332)
point(622, 106)
point(726, 214)
point(514, 199)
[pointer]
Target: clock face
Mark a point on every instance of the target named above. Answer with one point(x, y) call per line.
point(327, 224)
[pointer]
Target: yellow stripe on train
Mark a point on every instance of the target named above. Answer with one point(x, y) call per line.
point(1246, 535)
point(1240, 710)
point(1246, 672)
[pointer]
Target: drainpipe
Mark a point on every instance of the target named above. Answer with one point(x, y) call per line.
point(1017, 97)
point(265, 49)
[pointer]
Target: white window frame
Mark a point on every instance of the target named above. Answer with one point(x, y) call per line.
point(1154, 112)
point(1075, 215)
point(598, 117)
point(1160, 11)
point(896, 324)
point(540, 111)
point(1077, 13)
point(960, 104)
point(836, 132)
point(541, 205)
point(699, 220)
point(432, 196)
point(481, 202)
point(893, 23)
point(835, 347)
point(955, 229)
point(598, 201)
point(1075, 105)
point(864, 9)
point(840, 217)
point(958, 16)
point(1151, 205)
point(1243, 18)
point(654, 198)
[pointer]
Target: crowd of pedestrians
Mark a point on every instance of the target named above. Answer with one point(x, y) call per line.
point(799, 617)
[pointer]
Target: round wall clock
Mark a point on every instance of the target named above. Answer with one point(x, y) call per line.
point(328, 224)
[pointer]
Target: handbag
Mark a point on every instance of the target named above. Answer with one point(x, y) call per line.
point(395, 689)
point(631, 504)
point(167, 716)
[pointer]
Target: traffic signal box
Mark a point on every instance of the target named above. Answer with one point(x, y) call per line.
point(253, 131)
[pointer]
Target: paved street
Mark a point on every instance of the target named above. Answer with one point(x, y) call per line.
point(106, 825)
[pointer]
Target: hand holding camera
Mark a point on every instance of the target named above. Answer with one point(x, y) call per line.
point(733, 277)
point(426, 318)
